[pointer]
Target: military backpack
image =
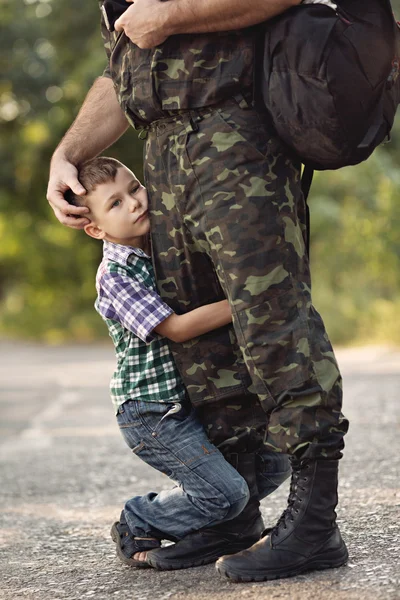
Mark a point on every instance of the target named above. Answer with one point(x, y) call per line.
point(330, 79)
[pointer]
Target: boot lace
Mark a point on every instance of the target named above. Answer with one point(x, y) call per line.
point(298, 477)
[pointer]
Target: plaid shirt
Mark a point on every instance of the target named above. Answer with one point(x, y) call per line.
point(131, 307)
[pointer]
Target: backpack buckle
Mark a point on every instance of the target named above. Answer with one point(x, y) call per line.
point(394, 73)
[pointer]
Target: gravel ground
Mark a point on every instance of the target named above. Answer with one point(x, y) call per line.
point(65, 473)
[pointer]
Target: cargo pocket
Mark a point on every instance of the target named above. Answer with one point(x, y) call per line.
point(276, 344)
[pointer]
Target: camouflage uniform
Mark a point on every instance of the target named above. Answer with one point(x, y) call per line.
point(228, 219)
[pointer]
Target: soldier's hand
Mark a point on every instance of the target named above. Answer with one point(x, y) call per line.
point(145, 22)
point(63, 176)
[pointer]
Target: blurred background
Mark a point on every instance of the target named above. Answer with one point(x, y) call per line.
point(50, 53)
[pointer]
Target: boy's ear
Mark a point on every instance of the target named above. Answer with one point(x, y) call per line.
point(94, 231)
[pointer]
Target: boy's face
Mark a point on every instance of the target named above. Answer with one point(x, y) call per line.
point(118, 210)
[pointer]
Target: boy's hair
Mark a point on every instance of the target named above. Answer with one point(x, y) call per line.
point(92, 173)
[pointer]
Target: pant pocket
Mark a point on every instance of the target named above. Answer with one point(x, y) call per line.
point(140, 433)
point(139, 421)
point(132, 434)
point(244, 127)
point(276, 347)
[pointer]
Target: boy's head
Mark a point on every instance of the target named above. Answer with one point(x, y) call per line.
point(116, 200)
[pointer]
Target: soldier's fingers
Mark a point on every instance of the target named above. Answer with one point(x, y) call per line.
point(60, 181)
point(66, 213)
point(76, 187)
point(75, 222)
point(69, 209)
point(118, 24)
point(56, 199)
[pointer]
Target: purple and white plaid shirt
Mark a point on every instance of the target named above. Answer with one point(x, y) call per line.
point(128, 302)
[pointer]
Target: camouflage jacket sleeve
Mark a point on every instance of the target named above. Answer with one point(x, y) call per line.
point(106, 72)
point(105, 37)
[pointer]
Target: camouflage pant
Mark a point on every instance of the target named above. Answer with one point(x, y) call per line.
point(228, 220)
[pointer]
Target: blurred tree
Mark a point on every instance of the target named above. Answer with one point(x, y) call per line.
point(355, 250)
point(50, 53)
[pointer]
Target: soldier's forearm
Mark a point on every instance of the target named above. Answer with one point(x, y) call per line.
point(100, 122)
point(193, 16)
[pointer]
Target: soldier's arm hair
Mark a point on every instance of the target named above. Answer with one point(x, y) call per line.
point(181, 328)
point(192, 16)
point(100, 122)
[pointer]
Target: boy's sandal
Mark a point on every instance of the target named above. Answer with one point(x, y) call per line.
point(128, 545)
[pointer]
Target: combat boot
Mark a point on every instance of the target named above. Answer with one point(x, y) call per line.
point(306, 536)
point(205, 546)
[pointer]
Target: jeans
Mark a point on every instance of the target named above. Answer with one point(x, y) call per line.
point(209, 490)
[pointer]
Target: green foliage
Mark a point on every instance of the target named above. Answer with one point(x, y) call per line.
point(355, 250)
point(50, 53)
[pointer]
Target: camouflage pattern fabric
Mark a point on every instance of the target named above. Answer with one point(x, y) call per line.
point(234, 426)
point(225, 198)
point(187, 71)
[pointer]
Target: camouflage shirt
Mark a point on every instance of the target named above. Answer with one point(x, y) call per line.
point(187, 71)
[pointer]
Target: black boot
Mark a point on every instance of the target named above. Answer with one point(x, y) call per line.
point(306, 536)
point(205, 546)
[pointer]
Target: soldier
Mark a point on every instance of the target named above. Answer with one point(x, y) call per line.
point(228, 218)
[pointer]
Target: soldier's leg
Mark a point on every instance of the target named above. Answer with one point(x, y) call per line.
point(245, 202)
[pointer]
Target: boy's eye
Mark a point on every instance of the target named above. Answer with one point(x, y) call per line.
point(116, 203)
point(134, 190)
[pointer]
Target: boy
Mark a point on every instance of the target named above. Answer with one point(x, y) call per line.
point(148, 394)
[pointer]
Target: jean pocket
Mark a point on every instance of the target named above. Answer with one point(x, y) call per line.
point(128, 416)
point(133, 436)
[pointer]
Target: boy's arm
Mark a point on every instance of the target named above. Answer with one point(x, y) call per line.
point(142, 311)
point(181, 328)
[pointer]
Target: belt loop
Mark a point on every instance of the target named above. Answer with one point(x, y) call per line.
point(242, 101)
point(192, 122)
point(143, 133)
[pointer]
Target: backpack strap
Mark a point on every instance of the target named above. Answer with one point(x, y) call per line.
point(306, 181)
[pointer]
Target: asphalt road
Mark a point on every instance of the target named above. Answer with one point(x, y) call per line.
point(65, 473)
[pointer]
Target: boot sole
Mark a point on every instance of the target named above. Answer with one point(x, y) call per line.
point(317, 563)
point(131, 562)
point(175, 564)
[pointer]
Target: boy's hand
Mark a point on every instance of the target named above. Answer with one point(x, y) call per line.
point(181, 328)
point(145, 22)
point(64, 176)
